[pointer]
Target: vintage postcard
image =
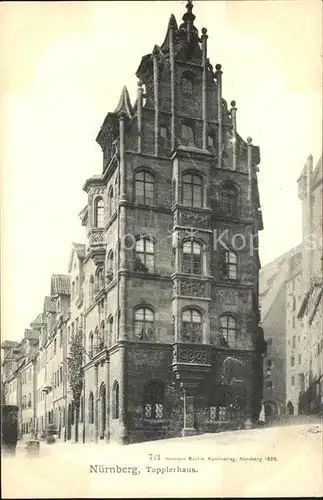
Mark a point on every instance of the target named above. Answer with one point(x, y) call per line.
point(161, 249)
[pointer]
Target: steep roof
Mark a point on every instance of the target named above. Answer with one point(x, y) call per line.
point(49, 304)
point(60, 284)
point(79, 249)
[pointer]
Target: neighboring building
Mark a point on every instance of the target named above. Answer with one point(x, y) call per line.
point(165, 291)
point(310, 312)
point(291, 304)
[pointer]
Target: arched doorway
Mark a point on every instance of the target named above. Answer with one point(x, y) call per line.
point(69, 421)
point(271, 410)
point(103, 409)
point(290, 408)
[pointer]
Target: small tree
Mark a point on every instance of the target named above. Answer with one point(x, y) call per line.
point(75, 373)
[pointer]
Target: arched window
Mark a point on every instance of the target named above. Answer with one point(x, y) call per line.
point(228, 265)
point(229, 200)
point(91, 289)
point(77, 286)
point(91, 408)
point(110, 331)
point(229, 330)
point(111, 264)
point(91, 344)
point(145, 255)
point(187, 135)
point(192, 258)
point(111, 201)
point(187, 86)
point(144, 324)
point(99, 213)
point(115, 400)
point(100, 279)
point(192, 190)
point(154, 400)
point(192, 326)
point(144, 188)
point(29, 400)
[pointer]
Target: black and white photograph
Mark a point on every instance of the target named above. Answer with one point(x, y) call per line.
point(161, 249)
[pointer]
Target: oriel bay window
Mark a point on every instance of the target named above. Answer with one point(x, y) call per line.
point(144, 324)
point(144, 188)
point(192, 258)
point(228, 265)
point(229, 330)
point(154, 400)
point(192, 190)
point(145, 255)
point(192, 326)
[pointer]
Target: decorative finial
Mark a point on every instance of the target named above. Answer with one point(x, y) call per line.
point(233, 104)
point(189, 16)
point(249, 140)
point(139, 83)
point(204, 31)
point(218, 67)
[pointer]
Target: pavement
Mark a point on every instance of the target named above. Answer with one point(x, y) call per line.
point(275, 461)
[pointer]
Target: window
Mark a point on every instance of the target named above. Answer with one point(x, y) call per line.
point(293, 380)
point(145, 255)
point(269, 385)
point(55, 345)
point(61, 374)
point(192, 326)
point(110, 263)
point(100, 279)
point(187, 135)
point(299, 359)
point(154, 400)
point(192, 258)
point(218, 413)
point(144, 324)
point(292, 361)
point(60, 338)
point(29, 400)
point(187, 86)
point(163, 132)
point(294, 342)
point(269, 364)
point(115, 400)
point(77, 286)
point(293, 322)
point(99, 213)
point(192, 190)
point(228, 265)
point(270, 341)
point(144, 188)
point(229, 200)
point(229, 330)
point(110, 331)
point(210, 141)
point(91, 289)
point(73, 290)
point(91, 408)
point(91, 345)
point(293, 306)
point(111, 201)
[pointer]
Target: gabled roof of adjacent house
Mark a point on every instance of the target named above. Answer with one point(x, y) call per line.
point(79, 249)
point(60, 284)
point(49, 304)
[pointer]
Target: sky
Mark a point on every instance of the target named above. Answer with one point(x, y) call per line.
point(63, 65)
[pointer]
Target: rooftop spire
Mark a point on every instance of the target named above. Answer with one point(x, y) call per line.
point(189, 16)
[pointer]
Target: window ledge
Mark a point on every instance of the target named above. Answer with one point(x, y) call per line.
point(155, 421)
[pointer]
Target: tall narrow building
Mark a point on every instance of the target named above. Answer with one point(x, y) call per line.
point(169, 307)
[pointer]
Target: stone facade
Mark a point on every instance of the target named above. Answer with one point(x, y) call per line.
point(291, 304)
point(165, 290)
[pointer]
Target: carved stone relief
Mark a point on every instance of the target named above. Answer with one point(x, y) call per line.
point(192, 288)
point(193, 219)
